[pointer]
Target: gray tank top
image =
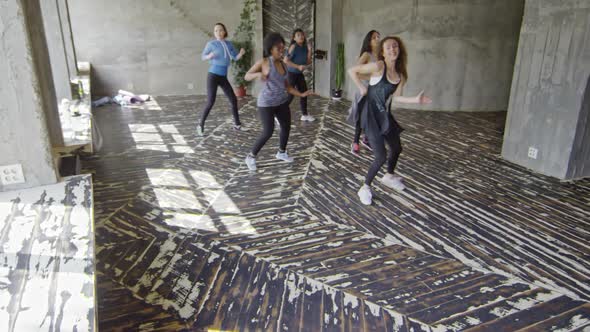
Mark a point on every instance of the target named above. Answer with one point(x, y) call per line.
point(274, 92)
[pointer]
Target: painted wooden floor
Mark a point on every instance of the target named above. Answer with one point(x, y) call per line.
point(47, 258)
point(474, 242)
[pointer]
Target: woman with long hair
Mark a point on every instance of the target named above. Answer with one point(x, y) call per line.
point(368, 54)
point(273, 99)
point(297, 59)
point(387, 78)
point(219, 52)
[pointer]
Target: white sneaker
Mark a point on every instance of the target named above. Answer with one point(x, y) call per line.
point(240, 128)
point(365, 195)
point(307, 118)
point(284, 156)
point(393, 181)
point(250, 162)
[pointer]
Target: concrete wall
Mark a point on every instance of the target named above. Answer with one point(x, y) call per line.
point(68, 37)
point(54, 33)
point(149, 46)
point(28, 101)
point(579, 165)
point(461, 52)
point(328, 32)
point(550, 79)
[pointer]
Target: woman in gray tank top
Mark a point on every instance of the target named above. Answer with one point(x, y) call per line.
point(369, 54)
point(273, 100)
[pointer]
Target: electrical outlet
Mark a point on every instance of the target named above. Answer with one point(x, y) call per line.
point(130, 86)
point(533, 152)
point(190, 86)
point(11, 174)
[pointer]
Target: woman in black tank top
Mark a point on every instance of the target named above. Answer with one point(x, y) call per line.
point(388, 77)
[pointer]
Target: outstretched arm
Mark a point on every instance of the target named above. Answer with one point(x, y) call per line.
point(418, 99)
point(296, 92)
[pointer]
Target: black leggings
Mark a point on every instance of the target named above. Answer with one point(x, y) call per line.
point(213, 81)
point(357, 132)
point(267, 115)
point(297, 80)
point(378, 145)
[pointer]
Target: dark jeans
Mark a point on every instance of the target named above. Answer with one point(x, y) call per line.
point(297, 80)
point(213, 81)
point(381, 154)
point(267, 115)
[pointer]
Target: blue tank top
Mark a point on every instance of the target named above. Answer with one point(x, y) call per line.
point(274, 92)
point(298, 57)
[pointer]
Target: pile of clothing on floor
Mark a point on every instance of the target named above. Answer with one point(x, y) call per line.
point(122, 98)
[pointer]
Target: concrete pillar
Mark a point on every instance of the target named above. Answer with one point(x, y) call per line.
point(55, 35)
point(68, 36)
point(29, 121)
point(548, 110)
point(328, 33)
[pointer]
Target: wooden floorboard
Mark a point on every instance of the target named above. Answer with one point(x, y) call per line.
point(200, 241)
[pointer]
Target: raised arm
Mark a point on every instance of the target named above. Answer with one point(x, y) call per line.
point(207, 52)
point(233, 53)
point(287, 59)
point(363, 59)
point(361, 70)
point(255, 72)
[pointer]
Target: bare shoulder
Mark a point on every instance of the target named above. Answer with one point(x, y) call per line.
point(363, 59)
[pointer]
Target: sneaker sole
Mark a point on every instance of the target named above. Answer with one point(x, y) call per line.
point(365, 203)
point(396, 188)
point(367, 146)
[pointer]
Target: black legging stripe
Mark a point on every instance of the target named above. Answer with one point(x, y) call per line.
point(382, 155)
point(357, 131)
point(213, 81)
point(297, 80)
point(267, 115)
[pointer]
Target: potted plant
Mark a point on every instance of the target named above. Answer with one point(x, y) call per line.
point(339, 75)
point(244, 37)
point(241, 67)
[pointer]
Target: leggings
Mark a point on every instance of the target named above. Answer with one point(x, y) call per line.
point(267, 115)
point(297, 80)
point(357, 132)
point(213, 81)
point(378, 145)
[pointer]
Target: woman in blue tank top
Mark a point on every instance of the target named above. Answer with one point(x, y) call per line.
point(297, 59)
point(219, 52)
point(273, 100)
point(387, 79)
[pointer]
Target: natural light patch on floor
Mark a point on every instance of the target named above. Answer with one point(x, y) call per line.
point(162, 137)
point(180, 192)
